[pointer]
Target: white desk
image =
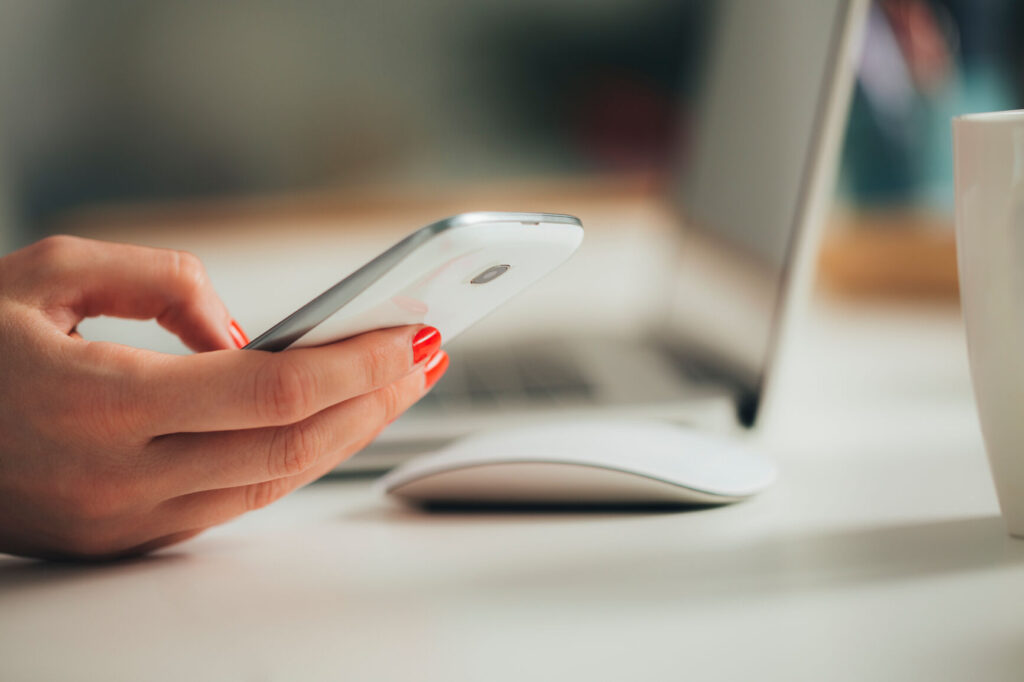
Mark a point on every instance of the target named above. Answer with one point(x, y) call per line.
point(878, 556)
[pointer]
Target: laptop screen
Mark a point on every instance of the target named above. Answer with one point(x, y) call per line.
point(744, 179)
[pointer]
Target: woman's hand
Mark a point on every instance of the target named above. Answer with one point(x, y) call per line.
point(107, 450)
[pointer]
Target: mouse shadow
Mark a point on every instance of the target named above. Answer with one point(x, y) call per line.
point(395, 511)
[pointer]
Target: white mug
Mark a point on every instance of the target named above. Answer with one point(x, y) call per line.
point(989, 170)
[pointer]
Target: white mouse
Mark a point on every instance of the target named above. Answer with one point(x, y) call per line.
point(584, 462)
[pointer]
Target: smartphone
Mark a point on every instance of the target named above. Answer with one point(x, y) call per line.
point(447, 275)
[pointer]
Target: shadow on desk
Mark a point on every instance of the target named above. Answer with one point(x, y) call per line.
point(775, 564)
point(18, 573)
point(675, 570)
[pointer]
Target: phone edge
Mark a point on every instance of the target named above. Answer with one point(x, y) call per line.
point(306, 318)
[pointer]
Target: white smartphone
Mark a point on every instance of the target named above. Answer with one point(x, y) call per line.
point(447, 275)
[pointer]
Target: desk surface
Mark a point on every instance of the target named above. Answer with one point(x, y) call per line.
point(879, 555)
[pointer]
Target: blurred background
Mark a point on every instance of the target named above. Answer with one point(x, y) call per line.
point(113, 103)
point(142, 100)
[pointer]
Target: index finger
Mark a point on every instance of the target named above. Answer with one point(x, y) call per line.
point(225, 390)
point(85, 278)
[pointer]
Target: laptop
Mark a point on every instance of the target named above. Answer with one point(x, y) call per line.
point(738, 220)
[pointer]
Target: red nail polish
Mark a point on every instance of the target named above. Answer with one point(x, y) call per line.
point(237, 335)
point(435, 368)
point(426, 342)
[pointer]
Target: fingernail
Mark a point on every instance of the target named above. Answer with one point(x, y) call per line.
point(237, 335)
point(435, 367)
point(426, 342)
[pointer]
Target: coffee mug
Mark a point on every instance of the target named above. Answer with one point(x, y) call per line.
point(989, 174)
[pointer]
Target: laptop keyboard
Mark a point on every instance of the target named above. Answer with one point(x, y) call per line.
point(509, 377)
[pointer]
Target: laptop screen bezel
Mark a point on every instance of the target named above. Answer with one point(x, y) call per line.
point(817, 177)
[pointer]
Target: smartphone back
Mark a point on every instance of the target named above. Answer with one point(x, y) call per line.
point(447, 275)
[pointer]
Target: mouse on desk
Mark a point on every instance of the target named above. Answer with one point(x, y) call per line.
point(584, 463)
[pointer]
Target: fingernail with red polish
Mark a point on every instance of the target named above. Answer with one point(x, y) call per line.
point(435, 367)
point(426, 342)
point(237, 335)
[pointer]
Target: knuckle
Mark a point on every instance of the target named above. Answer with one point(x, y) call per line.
point(259, 495)
point(190, 274)
point(56, 247)
point(379, 364)
point(285, 391)
point(296, 449)
point(102, 400)
point(51, 254)
point(390, 400)
point(34, 267)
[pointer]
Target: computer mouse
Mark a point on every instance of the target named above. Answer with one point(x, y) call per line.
point(585, 463)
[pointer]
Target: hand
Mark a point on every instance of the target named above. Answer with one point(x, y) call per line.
point(107, 450)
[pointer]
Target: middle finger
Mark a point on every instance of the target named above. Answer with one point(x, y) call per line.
point(195, 462)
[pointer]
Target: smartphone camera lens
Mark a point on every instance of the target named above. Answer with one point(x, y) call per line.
point(490, 274)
